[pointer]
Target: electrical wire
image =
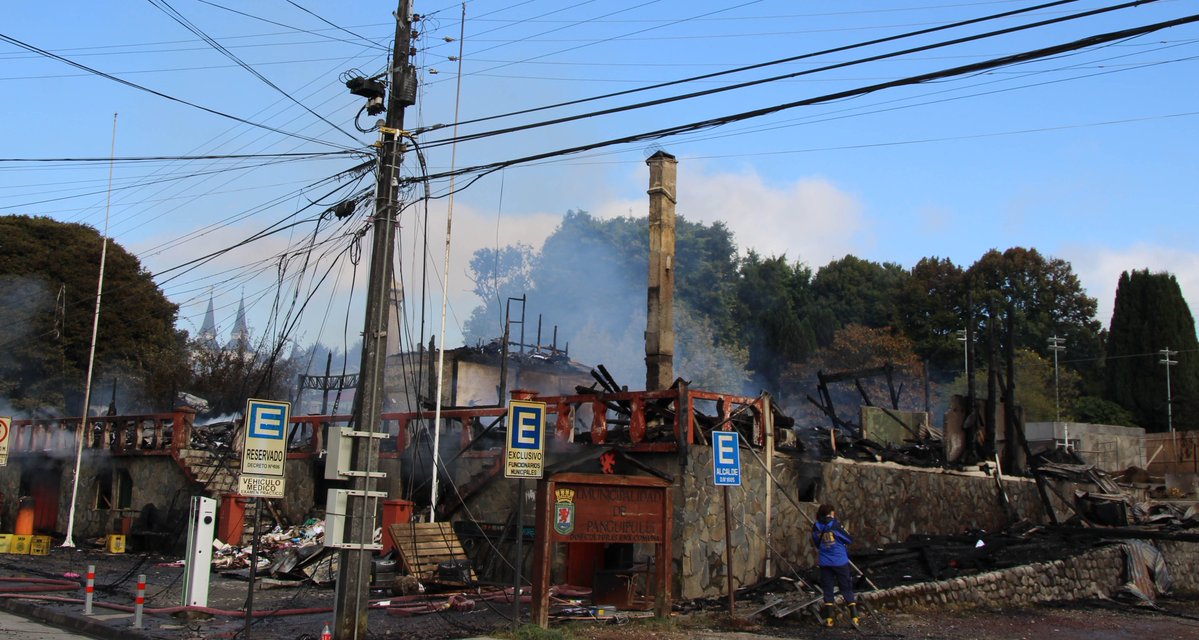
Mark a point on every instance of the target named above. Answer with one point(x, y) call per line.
point(992, 63)
point(134, 85)
point(788, 76)
point(166, 8)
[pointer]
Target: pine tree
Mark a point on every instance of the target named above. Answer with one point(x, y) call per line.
point(1150, 314)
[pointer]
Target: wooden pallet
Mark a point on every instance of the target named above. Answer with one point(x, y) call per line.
point(424, 545)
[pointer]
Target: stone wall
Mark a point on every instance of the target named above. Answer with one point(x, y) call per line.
point(1095, 573)
point(880, 503)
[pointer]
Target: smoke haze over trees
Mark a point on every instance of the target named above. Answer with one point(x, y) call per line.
point(776, 320)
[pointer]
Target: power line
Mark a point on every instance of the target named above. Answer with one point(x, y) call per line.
point(228, 156)
point(1019, 58)
point(134, 85)
point(318, 17)
point(166, 8)
point(760, 81)
point(751, 67)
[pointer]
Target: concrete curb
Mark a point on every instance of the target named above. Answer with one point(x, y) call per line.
point(79, 623)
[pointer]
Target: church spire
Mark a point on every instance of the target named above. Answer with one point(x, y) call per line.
point(240, 336)
point(208, 329)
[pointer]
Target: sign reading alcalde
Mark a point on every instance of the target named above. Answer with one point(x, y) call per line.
point(524, 455)
point(264, 456)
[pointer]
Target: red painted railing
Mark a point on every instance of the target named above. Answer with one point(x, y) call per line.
point(148, 434)
point(644, 415)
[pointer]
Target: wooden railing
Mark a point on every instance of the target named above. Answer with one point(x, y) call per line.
point(148, 434)
point(637, 420)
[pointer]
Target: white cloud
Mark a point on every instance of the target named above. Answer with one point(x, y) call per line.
point(809, 219)
point(1099, 270)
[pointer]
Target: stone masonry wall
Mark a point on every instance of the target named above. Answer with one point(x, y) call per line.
point(879, 502)
point(1095, 573)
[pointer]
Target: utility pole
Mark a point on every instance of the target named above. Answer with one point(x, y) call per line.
point(353, 575)
point(1166, 355)
point(1056, 345)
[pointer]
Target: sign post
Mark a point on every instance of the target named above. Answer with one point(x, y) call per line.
point(5, 427)
point(524, 457)
point(263, 468)
point(726, 472)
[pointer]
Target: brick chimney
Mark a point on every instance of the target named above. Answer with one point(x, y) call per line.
point(659, 329)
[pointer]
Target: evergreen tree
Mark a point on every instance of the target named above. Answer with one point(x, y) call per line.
point(1150, 314)
point(48, 274)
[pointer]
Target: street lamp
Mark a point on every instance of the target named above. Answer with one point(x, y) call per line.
point(1166, 355)
point(1056, 345)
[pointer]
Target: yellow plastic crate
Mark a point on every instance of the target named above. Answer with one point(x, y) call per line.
point(5, 542)
point(39, 546)
point(116, 543)
point(20, 544)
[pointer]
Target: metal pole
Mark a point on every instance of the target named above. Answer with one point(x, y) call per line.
point(140, 602)
point(1166, 354)
point(1056, 345)
point(253, 568)
point(69, 541)
point(728, 550)
point(520, 539)
point(90, 590)
point(445, 288)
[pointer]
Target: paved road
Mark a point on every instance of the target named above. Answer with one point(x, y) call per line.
point(12, 627)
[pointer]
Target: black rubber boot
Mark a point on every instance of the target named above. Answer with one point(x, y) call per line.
point(828, 614)
point(853, 613)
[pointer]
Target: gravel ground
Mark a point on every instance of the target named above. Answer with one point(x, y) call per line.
point(116, 577)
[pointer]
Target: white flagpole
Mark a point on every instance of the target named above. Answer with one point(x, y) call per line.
point(84, 427)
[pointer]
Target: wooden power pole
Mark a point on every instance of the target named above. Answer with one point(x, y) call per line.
point(361, 504)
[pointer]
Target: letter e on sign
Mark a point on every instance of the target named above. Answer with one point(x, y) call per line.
point(524, 457)
point(726, 458)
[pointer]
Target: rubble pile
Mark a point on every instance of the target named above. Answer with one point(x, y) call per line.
point(286, 553)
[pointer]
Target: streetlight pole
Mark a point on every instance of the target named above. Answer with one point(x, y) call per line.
point(1166, 355)
point(1056, 345)
point(963, 337)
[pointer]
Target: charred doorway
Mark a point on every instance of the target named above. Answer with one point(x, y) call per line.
point(43, 483)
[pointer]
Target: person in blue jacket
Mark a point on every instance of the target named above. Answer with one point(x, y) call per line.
point(832, 542)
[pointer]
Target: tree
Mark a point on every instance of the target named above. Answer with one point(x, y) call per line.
point(857, 291)
point(1047, 299)
point(227, 376)
point(498, 274)
point(930, 309)
point(1150, 314)
point(48, 275)
point(775, 315)
point(1034, 386)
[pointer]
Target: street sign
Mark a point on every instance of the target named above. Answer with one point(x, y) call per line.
point(5, 425)
point(260, 486)
point(264, 455)
point(726, 458)
point(524, 455)
point(265, 451)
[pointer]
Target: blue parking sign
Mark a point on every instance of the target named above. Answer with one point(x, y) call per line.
point(524, 456)
point(726, 458)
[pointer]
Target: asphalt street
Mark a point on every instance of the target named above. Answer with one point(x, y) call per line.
point(12, 626)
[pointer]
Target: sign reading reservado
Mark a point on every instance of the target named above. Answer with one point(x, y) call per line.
point(264, 456)
point(524, 453)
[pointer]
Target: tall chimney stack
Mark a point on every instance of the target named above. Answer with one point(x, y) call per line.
point(659, 330)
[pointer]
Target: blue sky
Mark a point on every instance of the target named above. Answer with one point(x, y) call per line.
point(1086, 156)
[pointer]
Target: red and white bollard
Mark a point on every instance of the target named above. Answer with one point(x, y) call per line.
point(89, 590)
point(325, 635)
point(139, 602)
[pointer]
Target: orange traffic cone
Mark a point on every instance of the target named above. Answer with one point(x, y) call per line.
point(325, 635)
